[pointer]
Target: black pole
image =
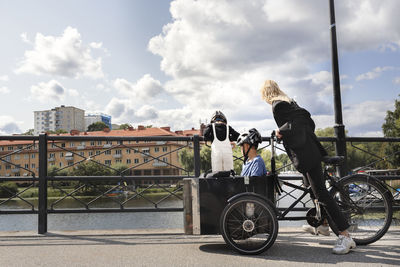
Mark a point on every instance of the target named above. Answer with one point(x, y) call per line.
point(339, 127)
point(196, 151)
point(42, 216)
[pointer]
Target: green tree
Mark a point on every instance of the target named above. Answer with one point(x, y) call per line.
point(124, 126)
point(59, 131)
point(29, 132)
point(8, 189)
point(186, 157)
point(97, 126)
point(205, 158)
point(391, 128)
point(91, 169)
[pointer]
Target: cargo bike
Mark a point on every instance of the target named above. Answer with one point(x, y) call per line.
point(244, 212)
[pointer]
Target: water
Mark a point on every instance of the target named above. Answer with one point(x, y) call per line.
point(125, 220)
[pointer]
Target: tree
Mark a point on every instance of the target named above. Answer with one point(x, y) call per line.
point(186, 157)
point(97, 126)
point(391, 128)
point(29, 132)
point(59, 131)
point(91, 169)
point(124, 126)
point(205, 158)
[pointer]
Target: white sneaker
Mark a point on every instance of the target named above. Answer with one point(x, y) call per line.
point(322, 229)
point(343, 245)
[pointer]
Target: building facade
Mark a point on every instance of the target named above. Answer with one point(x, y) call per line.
point(139, 156)
point(59, 118)
point(92, 118)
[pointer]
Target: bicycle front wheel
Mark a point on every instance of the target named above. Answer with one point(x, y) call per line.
point(366, 204)
point(249, 225)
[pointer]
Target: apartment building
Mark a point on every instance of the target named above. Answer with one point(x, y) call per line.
point(65, 118)
point(61, 154)
point(100, 117)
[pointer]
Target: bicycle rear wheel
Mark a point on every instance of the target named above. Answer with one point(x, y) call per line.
point(367, 205)
point(249, 225)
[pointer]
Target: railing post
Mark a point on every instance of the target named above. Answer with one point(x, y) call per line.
point(196, 150)
point(340, 134)
point(42, 217)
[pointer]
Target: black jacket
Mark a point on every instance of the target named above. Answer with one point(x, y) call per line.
point(220, 129)
point(297, 128)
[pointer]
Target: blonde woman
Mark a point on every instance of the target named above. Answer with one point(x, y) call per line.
point(296, 129)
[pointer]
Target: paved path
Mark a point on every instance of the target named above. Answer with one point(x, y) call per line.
point(172, 248)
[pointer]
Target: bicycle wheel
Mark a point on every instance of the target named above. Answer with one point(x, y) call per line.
point(249, 225)
point(367, 205)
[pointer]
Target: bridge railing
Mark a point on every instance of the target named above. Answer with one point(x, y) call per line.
point(48, 190)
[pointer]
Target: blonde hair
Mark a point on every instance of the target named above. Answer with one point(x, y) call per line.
point(270, 92)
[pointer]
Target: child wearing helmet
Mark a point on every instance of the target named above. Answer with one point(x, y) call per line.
point(221, 135)
point(253, 163)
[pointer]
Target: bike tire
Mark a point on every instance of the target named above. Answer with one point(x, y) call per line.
point(368, 206)
point(246, 233)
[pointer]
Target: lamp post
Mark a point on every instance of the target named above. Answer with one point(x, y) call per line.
point(340, 145)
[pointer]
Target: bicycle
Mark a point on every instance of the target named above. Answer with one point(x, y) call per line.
point(249, 222)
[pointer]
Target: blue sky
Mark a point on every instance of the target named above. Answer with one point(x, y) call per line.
point(175, 62)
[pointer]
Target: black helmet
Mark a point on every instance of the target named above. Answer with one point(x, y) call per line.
point(251, 137)
point(218, 116)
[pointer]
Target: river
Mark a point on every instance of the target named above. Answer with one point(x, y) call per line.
point(107, 221)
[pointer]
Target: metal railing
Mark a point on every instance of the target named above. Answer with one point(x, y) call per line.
point(119, 180)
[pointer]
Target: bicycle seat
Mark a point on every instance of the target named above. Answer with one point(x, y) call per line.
point(335, 160)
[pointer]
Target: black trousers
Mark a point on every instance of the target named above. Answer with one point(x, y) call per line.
point(315, 179)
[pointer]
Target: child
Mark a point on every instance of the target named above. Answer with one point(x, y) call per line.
point(221, 135)
point(253, 164)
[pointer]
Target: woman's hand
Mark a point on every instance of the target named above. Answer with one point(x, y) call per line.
point(278, 134)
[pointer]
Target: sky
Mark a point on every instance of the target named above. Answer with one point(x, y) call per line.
point(173, 63)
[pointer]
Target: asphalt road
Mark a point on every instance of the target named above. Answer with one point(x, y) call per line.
point(173, 248)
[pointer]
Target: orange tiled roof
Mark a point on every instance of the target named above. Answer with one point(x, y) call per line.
point(126, 133)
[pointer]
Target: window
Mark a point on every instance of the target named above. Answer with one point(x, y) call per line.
point(165, 159)
point(128, 151)
point(107, 152)
point(136, 161)
point(90, 153)
point(136, 151)
point(63, 145)
point(147, 172)
point(156, 149)
point(70, 163)
point(118, 161)
point(10, 148)
point(92, 143)
point(81, 153)
point(99, 143)
point(8, 158)
point(52, 155)
point(107, 162)
point(26, 156)
point(109, 142)
point(97, 152)
point(60, 164)
point(119, 142)
point(33, 165)
point(33, 156)
point(118, 152)
point(146, 150)
point(128, 161)
point(165, 149)
point(8, 167)
point(145, 159)
point(61, 154)
point(16, 157)
point(71, 144)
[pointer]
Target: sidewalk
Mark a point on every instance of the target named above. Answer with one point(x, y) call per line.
point(173, 248)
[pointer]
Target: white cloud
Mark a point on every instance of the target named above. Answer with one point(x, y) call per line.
point(144, 89)
point(4, 78)
point(73, 92)
point(218, 53)
point(4, 90)
point(396, 80)
point(375, 73)
point(8, 125)
point(64, 55)
point(51, 90)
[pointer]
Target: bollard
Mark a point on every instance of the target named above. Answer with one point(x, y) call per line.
point(191, 206)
